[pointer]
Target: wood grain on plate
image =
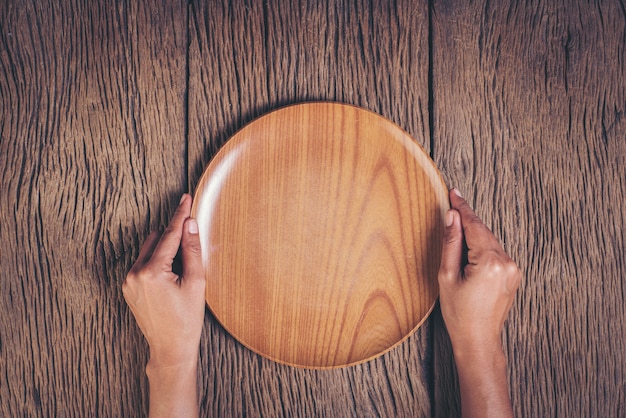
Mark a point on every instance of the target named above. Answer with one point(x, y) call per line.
point(321, 228)
point(108, 110)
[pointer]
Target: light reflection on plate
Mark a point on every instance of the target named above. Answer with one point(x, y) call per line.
point(321, 228)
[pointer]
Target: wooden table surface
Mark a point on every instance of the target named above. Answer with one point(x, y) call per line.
point(109, 110)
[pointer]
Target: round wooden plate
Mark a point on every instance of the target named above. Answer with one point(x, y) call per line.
point(321, 228)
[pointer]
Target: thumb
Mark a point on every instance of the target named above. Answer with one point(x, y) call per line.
point(191, 251)
point(452, 251)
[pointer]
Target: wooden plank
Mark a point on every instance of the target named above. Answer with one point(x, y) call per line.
point(92, 146)
point(249, 57)
point(529, 103)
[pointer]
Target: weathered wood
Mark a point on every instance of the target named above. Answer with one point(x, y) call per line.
point(250, 57)
point(528, 113)
point(92, 154)
point(96, 100)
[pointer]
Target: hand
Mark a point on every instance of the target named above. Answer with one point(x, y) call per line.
point(169, 310)
point(477, 280)
point(477, 285)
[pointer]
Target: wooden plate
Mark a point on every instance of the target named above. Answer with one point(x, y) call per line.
point(321, 227)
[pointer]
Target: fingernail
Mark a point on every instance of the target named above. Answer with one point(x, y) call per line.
point(192, 226)
point(182, 198)
point(457, 192)
point(449, 218)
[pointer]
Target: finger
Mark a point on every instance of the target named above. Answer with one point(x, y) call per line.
point(452, 250)
point(477, 235)
point(167, 247)
point(147, 248)
point(191, 252)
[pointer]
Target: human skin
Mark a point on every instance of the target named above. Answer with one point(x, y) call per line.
point(477, 282)
point(477, 286)
point(169, 309)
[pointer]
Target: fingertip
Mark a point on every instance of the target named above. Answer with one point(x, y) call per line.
point(449, 218)
point(456, 198)
point(185, 199)
point(192, 252)
point(191, 239)
point(452, 247)
point(453, 231)
point(192, 226)
point(453, 220)
point(465, 212)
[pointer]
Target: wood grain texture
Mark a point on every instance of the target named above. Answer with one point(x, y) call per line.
point(92, 146)
point(109, 110)
point(247, 58)
point(528, 121)
point(321, 226)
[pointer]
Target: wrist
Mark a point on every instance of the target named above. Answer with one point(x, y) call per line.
point(481, 365)
point(481, 361)
point(159, 365)
point(163, 357)
point(483, 353)
point(475, 345)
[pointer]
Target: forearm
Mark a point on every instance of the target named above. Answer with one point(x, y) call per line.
point(173, 390)
point(483, 384)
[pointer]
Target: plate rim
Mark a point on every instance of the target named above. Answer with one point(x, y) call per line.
point(218, 156)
